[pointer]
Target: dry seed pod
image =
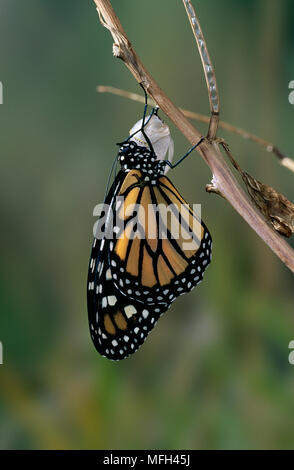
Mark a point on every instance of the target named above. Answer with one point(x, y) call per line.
point(273, 205)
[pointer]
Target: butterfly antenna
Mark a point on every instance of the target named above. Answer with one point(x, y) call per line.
point(110, 175)
point(145, 105)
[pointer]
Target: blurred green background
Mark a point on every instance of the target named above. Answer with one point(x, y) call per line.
point(214, 374)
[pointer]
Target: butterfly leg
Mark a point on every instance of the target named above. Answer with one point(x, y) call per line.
point(154, 111)
point(173, 165)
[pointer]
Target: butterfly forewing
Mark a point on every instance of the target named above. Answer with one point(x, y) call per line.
point(164, 248)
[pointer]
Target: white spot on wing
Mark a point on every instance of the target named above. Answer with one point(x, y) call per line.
point(145, 313)
point(130, 310)
point(108, 274)
point(111, 299)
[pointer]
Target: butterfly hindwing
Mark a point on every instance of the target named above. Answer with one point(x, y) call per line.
point(118, 325)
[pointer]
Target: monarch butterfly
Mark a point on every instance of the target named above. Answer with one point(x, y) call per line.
point(135, 273)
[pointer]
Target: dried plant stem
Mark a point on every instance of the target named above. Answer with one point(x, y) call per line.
point(208, 69)
point(271, 148)
point(223, 180)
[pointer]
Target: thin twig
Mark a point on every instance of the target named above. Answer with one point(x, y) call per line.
point(208, 69)
point(270, 148)
point(223, 179)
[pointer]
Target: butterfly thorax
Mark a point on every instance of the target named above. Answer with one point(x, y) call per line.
point(132, 156)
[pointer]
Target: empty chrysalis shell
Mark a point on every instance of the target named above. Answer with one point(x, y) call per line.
point(159, 135)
